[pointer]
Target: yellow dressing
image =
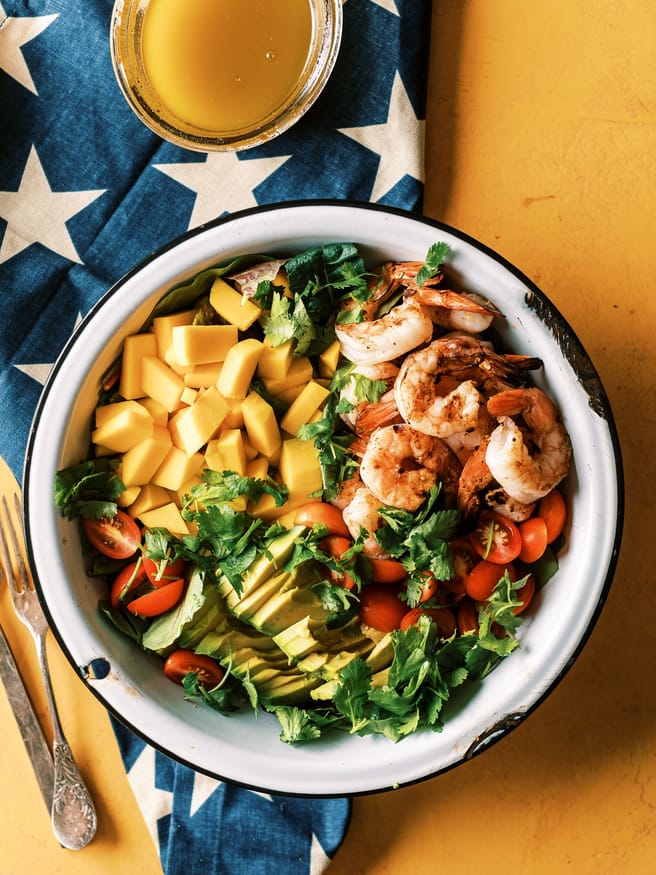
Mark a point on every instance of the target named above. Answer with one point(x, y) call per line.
point(222, 65)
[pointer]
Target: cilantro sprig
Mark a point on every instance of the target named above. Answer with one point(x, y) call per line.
point(89, 489)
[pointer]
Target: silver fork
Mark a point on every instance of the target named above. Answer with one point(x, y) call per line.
point(73, 814)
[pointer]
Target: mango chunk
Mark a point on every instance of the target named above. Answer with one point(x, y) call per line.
point(203, 376)
point(126, 428)
point(188, 395)
point(198, 423)
point(261, 425)
point(140, 462)
point(234, 307)
point(300, 371)
point(258, 468)
point(299, 467)
point(329, 359)
point(128, 496)
point(159, 413)
point(226, 453)
point(135, 349)
point(275, 361)
point(238, 368)
point(304, 407)
point(163, 326)
point(105, 412)
point(234, 417)
point(166, 517)
point(177, 468)
point(202, 344)
point(150, 496)
point(266, 508)
point(161, 383)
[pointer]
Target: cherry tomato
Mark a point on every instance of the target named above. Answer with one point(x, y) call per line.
point(534, 539)
point(467, 616)
point(336, 546)
point(525, 595)
point(464, 559)
point(553, 510)
point(381, 608)
point(443, 617)
point(387, 571)
point(496, 538)
point(320, 512)
point(158, 601)
point(182, 662)
point(160, 572)
point(126, 581)
point(482, 579)
point(429, 588)
point(117, 537)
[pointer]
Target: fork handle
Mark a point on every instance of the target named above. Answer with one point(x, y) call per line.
point(73, 815)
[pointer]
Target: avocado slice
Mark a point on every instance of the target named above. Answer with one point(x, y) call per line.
point(244, 608)
point(382, 654)
point(286, 690)
point(297, 640)
point(267, 563)
point(286, 608)
point(219, 644)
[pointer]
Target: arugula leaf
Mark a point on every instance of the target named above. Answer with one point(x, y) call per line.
point(89, 489)
point(435, 258)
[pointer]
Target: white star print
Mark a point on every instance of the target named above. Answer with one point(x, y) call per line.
point(222, 183)
point(14, 33)
point(40, 372)
point(399, 142)
point(389, 5)
point(319, 859)
point(203, 788)
point(153, 802)
point(37, 214)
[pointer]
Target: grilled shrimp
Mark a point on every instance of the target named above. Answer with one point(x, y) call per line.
point(476, 487)
point(527, 475)
point(400, 466)
point(385, 371)
point(362, 513)
point(417, 391)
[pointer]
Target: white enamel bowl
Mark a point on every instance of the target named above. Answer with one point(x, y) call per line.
point(247, 750)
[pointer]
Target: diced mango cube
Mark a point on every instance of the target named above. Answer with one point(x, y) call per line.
point(159, 413)
point(203, 376)
point(238, 368)
point(234, 417)
point(329, 359)
point(267, 510)
point(261, 425)
point(234, 307)
point(287, 396)
point(150, 496)
point(188, 396)
point(163, 326)
point(166, 517)
point(135, 349)
point(105, 412)
point(128, 496)
point(275, 361)
point(249, 449)
point(299, 467)
point(226, 453)
point(198, 423)
point(140, 462)
point(126, 428)
point(300, 371)
point(202, 344)
point(304, 407)
point(258, 468)
point(162, 383)
point(177, 468)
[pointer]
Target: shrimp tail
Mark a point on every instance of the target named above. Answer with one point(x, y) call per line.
point(450, 300)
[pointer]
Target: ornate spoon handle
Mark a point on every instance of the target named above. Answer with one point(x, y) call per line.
point(73, 814)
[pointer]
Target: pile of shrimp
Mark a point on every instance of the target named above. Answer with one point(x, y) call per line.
point(455, 412)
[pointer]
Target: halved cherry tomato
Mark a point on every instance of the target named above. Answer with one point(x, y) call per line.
point(467, 615)
point(429, 588)
point(496, 538)
point(464, 559)
point(182, 662)
point(387, 571)
point(534, 539)
point(160, 572)
point(320, 512)
point(525, 595)
point(126, 581)
point(482, 579)
point(553, 510)
point(381, 608)
point(443, 617)
point(158, 601)
point(336, 546)
point(117, 537)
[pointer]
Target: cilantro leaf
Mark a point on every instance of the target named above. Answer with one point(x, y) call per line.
point(89, 489)
point(435, 258)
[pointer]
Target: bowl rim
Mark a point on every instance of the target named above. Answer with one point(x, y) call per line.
point(570, 347)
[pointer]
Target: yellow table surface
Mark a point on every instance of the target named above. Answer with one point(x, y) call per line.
point(541, 142)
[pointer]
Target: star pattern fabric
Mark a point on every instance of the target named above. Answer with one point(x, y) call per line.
point(86, 192)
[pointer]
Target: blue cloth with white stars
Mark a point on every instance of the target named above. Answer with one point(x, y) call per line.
point(86, 192)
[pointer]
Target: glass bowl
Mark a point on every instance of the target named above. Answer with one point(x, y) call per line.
point(226, 76)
